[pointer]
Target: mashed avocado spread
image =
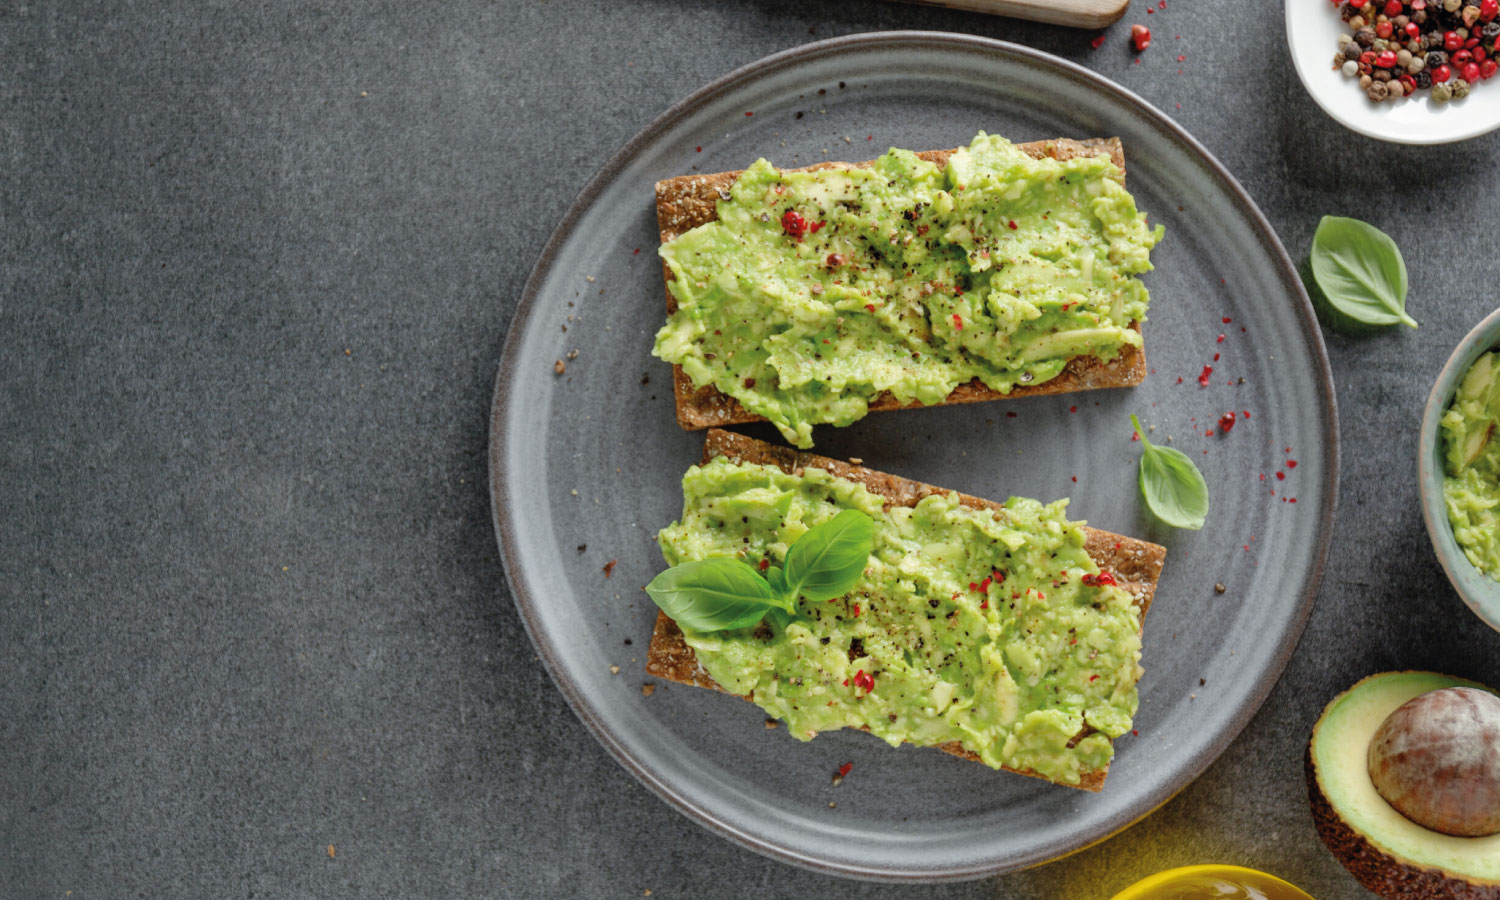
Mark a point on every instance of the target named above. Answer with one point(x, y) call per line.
point(1471, 460)
point(815, 292)
point(991, 628)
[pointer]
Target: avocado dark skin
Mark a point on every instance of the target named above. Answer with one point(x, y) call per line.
point(1379, 872)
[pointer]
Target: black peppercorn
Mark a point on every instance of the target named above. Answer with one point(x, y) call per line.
point(1364, 37)
point(1490, 31)
point(1424, 80)
point(1352, 52)
point(1436, 58)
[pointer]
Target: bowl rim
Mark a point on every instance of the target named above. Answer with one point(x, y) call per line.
point(1478, 591)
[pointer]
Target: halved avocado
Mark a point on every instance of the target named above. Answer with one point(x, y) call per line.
point(1387, 852)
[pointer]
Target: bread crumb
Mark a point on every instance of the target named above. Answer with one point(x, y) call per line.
point(589, 277)
point(856, 460)
point(574, 492)
point(573, 354)
point(559, 367)
point(330, 851)
point(1220, 588)
point(646, 892)
point(364, 93)
point(770, 724)
point(832, 805)
point(647, 690)
point(614, 670)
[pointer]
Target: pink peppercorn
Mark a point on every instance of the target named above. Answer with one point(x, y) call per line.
point(1470, 72)
point(1385, 59)
point(1452, 42)
point(1488, 9)
point(1487, 69)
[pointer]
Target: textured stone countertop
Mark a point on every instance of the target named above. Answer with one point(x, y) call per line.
point(257, 262)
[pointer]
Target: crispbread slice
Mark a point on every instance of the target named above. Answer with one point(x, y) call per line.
point(687, 201)
point(1136, 564)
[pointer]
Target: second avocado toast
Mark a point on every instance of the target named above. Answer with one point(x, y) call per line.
point(1127, 574)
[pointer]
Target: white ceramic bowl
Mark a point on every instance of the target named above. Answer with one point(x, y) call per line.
point(1312, 32)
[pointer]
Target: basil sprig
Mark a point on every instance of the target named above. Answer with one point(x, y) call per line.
point(1173, 487)
point(723, 593)
point(1360, 270)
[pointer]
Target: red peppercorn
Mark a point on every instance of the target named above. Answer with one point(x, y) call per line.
point(1393, 8)
point(793, 224)
point(1226, 422)
point(1386, 59)
point(1452, 42)
point(1488, 9)
point(1461, 58)
point(1487, 69)
point(1140, 36)
point(1480, 54)
point(1413, 30)
point(1470, 72)
point(1409, 83)
point(1441, 74)
point(1383, 29)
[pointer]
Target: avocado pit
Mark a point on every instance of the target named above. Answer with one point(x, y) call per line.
point(1436, 759)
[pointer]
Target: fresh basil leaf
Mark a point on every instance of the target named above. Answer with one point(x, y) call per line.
point(714, 594)
point(829, 559)
point(1173, 487)
point(1360, 270)
point(779, 617)
point(777, 579)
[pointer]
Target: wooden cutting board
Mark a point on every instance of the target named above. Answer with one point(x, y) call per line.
point(1077, 13)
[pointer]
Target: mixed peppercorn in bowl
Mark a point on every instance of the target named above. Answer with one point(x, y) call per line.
point(1399, 47)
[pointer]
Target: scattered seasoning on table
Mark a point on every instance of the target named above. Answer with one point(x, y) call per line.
point(1398, 47)
point(647, 690)
point(1140, 37)
point(559, 367)
point(609, 568)
point(1218, 589)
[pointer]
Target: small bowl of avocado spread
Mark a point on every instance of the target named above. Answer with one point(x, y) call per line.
point(1458, 468)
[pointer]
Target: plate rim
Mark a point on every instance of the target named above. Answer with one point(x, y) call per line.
point(526, 307)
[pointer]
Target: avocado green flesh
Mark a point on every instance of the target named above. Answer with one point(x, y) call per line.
point(996, 266)
point(1471, 463)
point(1340, 753)
point(1013, 672)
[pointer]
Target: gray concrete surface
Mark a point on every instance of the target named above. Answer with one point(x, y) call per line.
point(257, 261)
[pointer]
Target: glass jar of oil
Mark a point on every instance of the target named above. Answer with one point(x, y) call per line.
point(1212, 883)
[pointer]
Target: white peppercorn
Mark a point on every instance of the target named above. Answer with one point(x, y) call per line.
point(1351, 68)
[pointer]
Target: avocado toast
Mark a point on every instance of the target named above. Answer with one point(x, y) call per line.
point(1130, 566)
point(960, 300)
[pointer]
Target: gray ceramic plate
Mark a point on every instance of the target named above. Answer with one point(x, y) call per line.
point(593, 458)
